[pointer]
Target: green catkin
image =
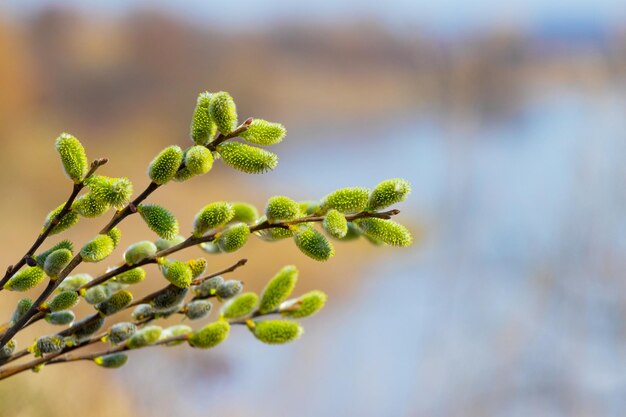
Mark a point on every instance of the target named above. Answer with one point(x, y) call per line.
point(244, 212)
point(210, 335)
point(335, 224)
point(202, 128)
point(49, 344)
point(198, 160)
point(116, 236)
point(388, 231)
point(183, 174)
point(309, 207)
point(168, 298)
point(7, 350)
point(159, 220)
point(120, 332)
point(233, 238)
point(211, 216)
point(113, 191)
point(25, 279)
point(198, 309)
point(56, 262)
point(353, 232)
point(276, 332)
point(304, 306)
point(313, 244)
point(389, 192)
point(240, 306)
point(64, 244)
point(139, 251)
point(73, 157)
point(347, 200)
point(60, 318)
point(90, 206)
point(63, 301)
point(280, 209)
point(22, 307)
point(98, 294)
point(68, 220)
point(208, 287)
point(74, 282)
point(111, 361)
point(162, 244)
point(175, 331)
point(264, 133)
point(147, 336)
point(228, 289)
point(178, 273)
point(134, 276)
point(223, 112)
point(210, 247)
point(117, 302)
point(278, 289)
point(142, 312)
point(198, 267)
point(272, 234)
point(164, 166)
point(97, 249)
point(246, 158)
point(85, 328)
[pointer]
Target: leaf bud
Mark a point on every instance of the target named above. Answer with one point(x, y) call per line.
point(278, 289)
point(313, 244)
point(335, 224)
point(388, 231)
point(223, 112)
point(120, 332)
point(304, 306)
point(60, 318)
point(97, 249)
point(240, 306)
point(56, 262)
point(276, 332)
point(142, 312)
point(246, 158)
point(90, 206)
point(73, 157)
point(210, 335)
point(169, 297)
point(262, 132)
point(211, 216)
point(198, 160)
point(347, 200)
point(198, 309)
point(280, 209)
point(149, 335)
point(64, 244)
point(63, 301)
point(164, 166)
point(389, 192)
point(228, 289)
point(134, 276)
point(159, 220)
point(177, 273)
point(233, 238)
point(202, 127)
point(118, 301)
point(112, 360)
point(25, 279)
point(139, 251)
point(98, 294)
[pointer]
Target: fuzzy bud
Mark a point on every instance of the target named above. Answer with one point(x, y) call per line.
point(67, 221)
point(90, 206)
point(162, 244)
point(313, 244)
point(159, 220)
point(60, 318)
point(120, 332)
point(240, 306)
point(64, 244)
point(198, 267)
point(84, 328)
point(276, 332)
point(113, 191)
point(228, 289)
point(149, 335)
point(198, 160)
point(353, 232)
point(178, 273)
point(169, 297)
point(97, 249)
point(211, 216)
point(202, 127)
point(175, 331)
point(73, 157)
point(304, 306)
point(278, 289)
point(211, 335)
point(208, 287)
point(56, 262)
point(246, 158)
point(139, 251)
point(198, 309)
point(223, 112)
point(335, 224)
point(134, 276)
point(74, 282)
point(49, 344)
point(111, 361)
point(388, 231)
point(183, 174)
point(116, 236)
point(389, 192)
point(244, 212)
point(233, 238)
point(273, 234)
point(117, 302)
point(7, 350)
point(261, 132)
point(63, 301)
point(347, 200)
point(25, 279)
point(164, 166)
point(210, 247)
point(142, 312)
point(98, 294)
point(309, 207)
point(22, 307)
point(280, 209)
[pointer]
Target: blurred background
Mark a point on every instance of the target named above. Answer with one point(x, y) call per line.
point(507, 117)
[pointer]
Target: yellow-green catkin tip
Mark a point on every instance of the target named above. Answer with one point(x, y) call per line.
point(7, 350)
point(240, 306)
point(178, 273)
point(116, 236)
point(68, 220)
point(335, 224)
point(113, 191)
point(388, 231)
point(174, 331)
point(244, 212)
point(278, 289)
point(149, 335)
point(347, 200)
point(228, 289)
point(223, 112)
point(23, 305)
point(25, 279)
point(56, 262)
point(211, 216)
point(280, 208)
point(117, 302)
point(139, 251)
point(198, 160)
point(164, 166)
point(90, 206)
point(64, 244)
point(97, 249)
point(134, 276)
point(159, 220)
point(246, 158)
point(262, 132)
point(60, 318)
point(162, 244)
point(63, 301)
point(111, 361)
point(313, 244)
point(198, 266)
point(233, 238)
point(276, 332)
point(74, 282)
point(168, 298)
point(120, 332)
point(210, 335)
point(73, 157)
point(304, 306)
point(389, 192)
point(49, 344)
point(202, 128)
point(198, 309)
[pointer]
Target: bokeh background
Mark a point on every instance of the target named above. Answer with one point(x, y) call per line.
point(509, 119)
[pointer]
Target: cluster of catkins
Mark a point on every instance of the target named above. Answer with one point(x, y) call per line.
point(219, 227)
